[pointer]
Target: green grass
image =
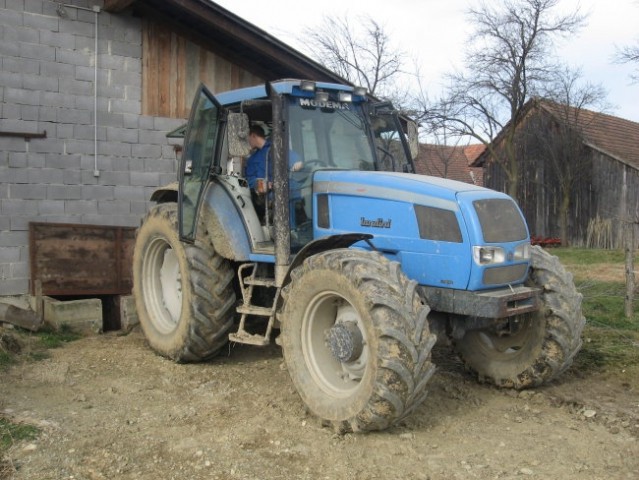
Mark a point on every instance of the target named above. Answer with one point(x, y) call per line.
point(11, 432)
point(6, 359)
point(55, 339)
point(17, 345)
point(587, 256)
point(611, 340)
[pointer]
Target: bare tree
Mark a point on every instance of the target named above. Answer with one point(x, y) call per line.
point(508, 61)
point(362, 53)
point(629, 54)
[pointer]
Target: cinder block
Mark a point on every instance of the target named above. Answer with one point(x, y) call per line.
point(83, 316)
point(37, 52)
point(147, 151)
point(40, 83)
point(14, 286)
point(145, 179)
point(81, 207)
point(128, 313)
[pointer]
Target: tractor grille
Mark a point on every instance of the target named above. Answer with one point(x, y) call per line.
point(500, 275)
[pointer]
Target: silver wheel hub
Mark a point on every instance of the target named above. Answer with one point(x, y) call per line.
point(334, 344)
point(345, 341)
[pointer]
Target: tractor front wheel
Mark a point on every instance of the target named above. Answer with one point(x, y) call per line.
point(536, 347)
point(356, 339)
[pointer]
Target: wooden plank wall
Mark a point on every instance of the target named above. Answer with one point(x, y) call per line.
point(607, 192)
point(72, 260)
point(173, 66)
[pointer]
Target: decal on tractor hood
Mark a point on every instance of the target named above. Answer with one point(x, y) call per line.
point(379, 223)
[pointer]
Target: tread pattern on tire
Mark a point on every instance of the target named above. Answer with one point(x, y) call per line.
point(213, 298)
point(405, 341)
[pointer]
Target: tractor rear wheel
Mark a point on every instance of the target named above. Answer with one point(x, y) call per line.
point(183, 293)
point(356, 339)
point(536, 347)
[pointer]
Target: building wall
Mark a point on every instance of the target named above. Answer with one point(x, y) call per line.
point(47, 70)
point(603, 194)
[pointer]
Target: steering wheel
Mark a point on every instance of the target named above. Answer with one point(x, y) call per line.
point(303, 175)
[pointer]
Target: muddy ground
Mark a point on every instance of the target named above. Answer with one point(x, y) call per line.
point(109, 408)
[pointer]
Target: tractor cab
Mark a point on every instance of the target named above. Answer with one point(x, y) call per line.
point(324, 126)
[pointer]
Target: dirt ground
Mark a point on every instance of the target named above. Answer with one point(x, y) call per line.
point(110, 408)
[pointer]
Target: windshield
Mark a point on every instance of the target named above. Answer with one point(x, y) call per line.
point(339, 138)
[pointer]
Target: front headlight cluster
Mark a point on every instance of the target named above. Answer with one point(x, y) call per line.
point(522, 252)
point(488, 255)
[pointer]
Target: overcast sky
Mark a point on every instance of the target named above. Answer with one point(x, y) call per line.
point(434, 32)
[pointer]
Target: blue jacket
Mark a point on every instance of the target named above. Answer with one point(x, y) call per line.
point(256, 167)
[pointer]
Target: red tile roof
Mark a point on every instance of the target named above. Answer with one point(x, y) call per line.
point(450, 162)
point(613, 136)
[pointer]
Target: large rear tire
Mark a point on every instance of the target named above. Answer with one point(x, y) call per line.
point(543, 345)
point(183, 293)
point(356, 339)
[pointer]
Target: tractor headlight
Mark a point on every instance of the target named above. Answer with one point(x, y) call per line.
point(488, 255)
point(344, 96)
point(522, 252)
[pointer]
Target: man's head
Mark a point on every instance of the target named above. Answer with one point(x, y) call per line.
point(256, 137)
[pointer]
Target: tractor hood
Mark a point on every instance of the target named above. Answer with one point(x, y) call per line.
point(406, 187)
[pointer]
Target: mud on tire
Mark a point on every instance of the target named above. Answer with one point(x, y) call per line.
point(338, 300)
point(183, 293)
point(546, 342)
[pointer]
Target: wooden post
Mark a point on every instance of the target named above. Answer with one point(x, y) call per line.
point(630, 269)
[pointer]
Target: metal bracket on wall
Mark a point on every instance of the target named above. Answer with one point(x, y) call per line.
point(25, 135)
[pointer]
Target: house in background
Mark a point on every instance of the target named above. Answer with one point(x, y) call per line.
point(452, 162)
point(578, 175)
point(89, 90)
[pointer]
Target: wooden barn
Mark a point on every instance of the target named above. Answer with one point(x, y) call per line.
point(578, 174)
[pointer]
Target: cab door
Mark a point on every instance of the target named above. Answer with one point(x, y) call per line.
point(200, 144)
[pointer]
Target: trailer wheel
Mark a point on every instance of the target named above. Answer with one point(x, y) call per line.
point(356, 339)
point(541, 345)
point(183, 293)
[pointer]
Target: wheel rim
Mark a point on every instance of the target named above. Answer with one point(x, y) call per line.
point(162, 287)
point(335, 377)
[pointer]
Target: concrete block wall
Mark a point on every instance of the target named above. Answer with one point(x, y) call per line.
point(47, 72)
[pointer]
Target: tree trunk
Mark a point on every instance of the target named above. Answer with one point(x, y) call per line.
point(630, 269)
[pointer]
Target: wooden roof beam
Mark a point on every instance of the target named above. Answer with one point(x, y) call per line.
point(116, 5)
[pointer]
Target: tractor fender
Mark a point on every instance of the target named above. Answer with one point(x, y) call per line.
point(331, 242)
point(166, 193)
point(223, 221)
point(225, 224)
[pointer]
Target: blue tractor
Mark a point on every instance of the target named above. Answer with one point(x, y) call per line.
point(357, 265)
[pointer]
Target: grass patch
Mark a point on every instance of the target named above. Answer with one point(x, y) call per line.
point(11, 433)
point(611, 340)
point(19, 345)
point(56, 338)
point(587, 256)
point(6, 359)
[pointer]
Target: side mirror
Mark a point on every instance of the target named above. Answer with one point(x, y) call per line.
point(413, 139)
point(237, 132)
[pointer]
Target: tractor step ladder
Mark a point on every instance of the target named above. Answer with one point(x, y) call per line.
point(247, 283)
